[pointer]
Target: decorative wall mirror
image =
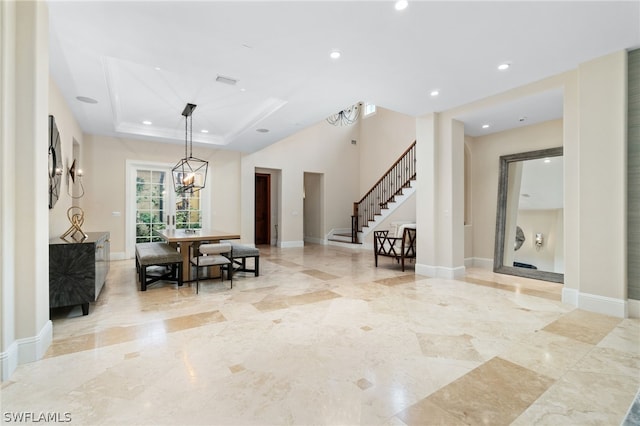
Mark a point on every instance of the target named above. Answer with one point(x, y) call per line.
point(530, 216)
point(55, 162)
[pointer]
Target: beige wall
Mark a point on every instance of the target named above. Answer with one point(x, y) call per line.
point(69, 131)
point(485, 163)
point(105, 160)
point(384, 136)
point(348, 170)
point(321, 148)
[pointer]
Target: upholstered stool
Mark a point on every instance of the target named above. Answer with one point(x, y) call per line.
point(218, 254)
point(239, 258)
point(157, 254)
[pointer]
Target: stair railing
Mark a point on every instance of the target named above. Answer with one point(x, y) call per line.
point(399, 176)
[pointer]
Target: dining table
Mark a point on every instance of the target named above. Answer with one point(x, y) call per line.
point(184, 239)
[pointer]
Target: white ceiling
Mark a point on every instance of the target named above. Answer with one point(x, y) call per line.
point(145, 60)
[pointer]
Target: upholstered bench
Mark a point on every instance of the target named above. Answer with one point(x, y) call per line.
point(157, 254)
point(239, 257)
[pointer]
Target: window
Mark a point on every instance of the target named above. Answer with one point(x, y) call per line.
point(369, 109)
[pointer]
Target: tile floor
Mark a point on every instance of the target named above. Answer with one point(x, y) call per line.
point(323, 337)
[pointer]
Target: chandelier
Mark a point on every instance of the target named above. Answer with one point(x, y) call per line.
point(190, 173)
point(346, 117)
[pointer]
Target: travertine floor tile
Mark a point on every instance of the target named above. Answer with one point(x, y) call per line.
point(584, 326)
point(324, 337)
point(583, 398)
point(494, 393)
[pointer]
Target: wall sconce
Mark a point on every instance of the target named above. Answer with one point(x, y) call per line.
point(539, 240)
point(75, 173)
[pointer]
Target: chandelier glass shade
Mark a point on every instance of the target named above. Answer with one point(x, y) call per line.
point(346, 117)
point(190, 173)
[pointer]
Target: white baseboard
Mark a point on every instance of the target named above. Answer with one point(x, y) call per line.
point(349, 246)
point(8, 361)
point(426, 270)
point(440, 271)
point(603, 305)
point(118, 255)
point(451, 273)
point(479, 262)
point(315, 240)
point(290, 244)
point(26, 350)
point(483, 263)
point(570, 296)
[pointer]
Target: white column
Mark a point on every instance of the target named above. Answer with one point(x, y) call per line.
point(26, 328)
point(440, 196)
point(8, 347)
point(426, 217)
point(603, 193)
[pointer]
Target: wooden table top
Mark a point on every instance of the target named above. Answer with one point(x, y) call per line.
point(179, 235)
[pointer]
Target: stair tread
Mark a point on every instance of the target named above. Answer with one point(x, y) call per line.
point(340, 241)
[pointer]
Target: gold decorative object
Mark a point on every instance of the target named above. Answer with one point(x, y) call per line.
point(76, 217)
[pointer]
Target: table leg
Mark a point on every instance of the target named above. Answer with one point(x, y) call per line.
point(185, 248)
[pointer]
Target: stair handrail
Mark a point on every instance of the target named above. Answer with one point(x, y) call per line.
point(408, 160)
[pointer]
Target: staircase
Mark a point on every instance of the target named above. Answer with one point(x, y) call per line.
point(391, 190)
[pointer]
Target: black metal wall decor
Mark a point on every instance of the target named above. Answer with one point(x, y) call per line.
point(55, 162)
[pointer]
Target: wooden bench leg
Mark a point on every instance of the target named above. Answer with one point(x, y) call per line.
point(143, 278)
point(257, 263)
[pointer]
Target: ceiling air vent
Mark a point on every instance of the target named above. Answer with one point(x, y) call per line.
point(226, 80)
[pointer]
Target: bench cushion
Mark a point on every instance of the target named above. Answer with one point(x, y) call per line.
point(157, 254)
point(241, 250)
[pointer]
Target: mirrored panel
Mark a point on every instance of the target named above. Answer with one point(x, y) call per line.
point(530, 215)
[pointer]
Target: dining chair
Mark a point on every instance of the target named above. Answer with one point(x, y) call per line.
point(217, 254)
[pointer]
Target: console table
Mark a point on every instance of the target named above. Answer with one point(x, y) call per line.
point(78, 270)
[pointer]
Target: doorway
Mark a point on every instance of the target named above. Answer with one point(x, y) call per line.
point(153, 205)
point(313, 211)
point(262, 208)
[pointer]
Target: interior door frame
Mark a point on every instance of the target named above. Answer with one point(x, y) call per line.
point(130, 200)
point(268, 177)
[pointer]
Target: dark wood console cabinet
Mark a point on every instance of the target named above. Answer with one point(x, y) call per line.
point(78, 270)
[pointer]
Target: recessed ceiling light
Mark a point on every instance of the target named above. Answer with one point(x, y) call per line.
point(503, 67)
point(242, 89)
point(86, 100)
point(434, 93)
point(262, 130)
point(401, 4)
point(157, 68)
point(525, 195)
point(204, 131)
point(486, 126)
point(335, 54)
point(547, 160)
point(147, 122)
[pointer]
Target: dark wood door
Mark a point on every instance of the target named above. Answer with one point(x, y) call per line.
point(263, 208)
